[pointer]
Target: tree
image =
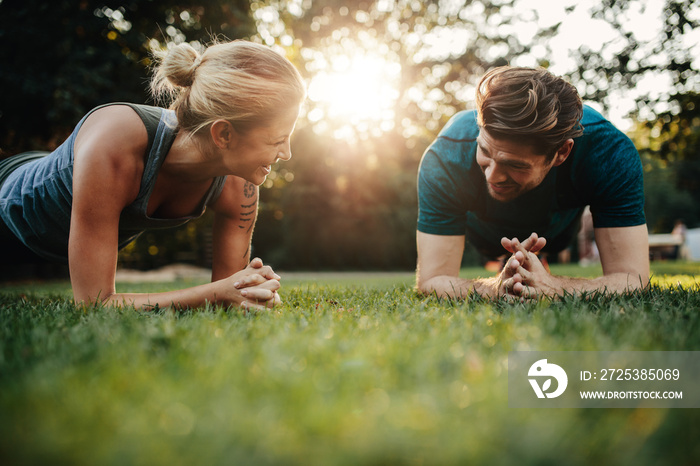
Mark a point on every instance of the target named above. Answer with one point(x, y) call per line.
point(348, 197)
point(441, 49)
point(63, 57)
point(671, 150)
point(665, 59)
point(384, 77)
point(664, 66)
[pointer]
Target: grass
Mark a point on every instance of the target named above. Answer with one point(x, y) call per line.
point(349, 370)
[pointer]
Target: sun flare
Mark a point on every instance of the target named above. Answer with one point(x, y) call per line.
point(357, 93)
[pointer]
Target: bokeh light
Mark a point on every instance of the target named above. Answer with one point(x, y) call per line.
point(353, 94)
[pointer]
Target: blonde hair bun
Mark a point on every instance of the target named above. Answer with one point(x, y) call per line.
point(243, 82)
point(179, 65)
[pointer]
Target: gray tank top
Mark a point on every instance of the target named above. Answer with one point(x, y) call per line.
point(37, 192)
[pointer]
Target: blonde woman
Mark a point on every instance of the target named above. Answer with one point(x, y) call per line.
point(128, 168)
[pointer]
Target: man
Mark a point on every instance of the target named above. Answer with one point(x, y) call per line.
point(529, 159)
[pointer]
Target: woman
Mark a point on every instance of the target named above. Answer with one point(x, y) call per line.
point(127, 168)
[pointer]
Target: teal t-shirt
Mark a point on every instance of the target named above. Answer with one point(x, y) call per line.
point(603, 171)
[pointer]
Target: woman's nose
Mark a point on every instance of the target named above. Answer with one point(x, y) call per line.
point(285, 153)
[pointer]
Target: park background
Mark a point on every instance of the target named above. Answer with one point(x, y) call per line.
point(351, 368)
point(384, 77)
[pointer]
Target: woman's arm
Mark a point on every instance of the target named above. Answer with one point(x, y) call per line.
point(107, 169)
point(254, 287)
point(235, 210)
point(107, 172)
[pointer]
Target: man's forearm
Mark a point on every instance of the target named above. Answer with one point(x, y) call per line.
point(624, 268)
point(454, 287)
point(613, 283)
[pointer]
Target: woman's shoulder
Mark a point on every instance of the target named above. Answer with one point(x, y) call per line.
point(115, 138)
point(118, 117)
point(113, 128)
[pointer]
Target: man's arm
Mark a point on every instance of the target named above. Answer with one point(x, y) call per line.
point(624, 255)
point(439, 261)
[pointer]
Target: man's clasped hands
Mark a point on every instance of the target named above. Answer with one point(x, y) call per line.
point(524, 276)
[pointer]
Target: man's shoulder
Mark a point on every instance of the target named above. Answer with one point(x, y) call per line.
point(596, 125)
point(456, 142)
point(606, 172)
point(449, 160)
point(601, 138)
point(592, 117)
point(462, 127)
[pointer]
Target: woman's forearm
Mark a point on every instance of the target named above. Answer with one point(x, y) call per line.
point(179, 299)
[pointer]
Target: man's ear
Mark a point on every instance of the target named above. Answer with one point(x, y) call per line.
point(223, 134)
point(563, 152)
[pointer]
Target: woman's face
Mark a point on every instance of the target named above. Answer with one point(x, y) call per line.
point(259, 148)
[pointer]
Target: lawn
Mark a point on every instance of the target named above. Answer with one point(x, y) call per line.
point(350, 370)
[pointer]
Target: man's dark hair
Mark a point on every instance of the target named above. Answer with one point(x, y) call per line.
point(531, 106)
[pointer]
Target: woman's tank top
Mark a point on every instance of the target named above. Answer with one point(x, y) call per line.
point(37, 191)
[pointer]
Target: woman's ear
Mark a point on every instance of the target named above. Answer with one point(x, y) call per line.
point(223, 134)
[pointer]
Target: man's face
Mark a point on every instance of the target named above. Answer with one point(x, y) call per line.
point(510, 169)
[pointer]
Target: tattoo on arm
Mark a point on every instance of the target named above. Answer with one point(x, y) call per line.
point(249, 189)
point(248, 216)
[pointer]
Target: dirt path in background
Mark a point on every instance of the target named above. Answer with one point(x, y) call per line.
point(175, 272)
point(168, 273)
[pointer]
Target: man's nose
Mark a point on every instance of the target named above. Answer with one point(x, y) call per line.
point(494, 174)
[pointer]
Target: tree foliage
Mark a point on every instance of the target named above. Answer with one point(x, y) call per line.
point(671, 150)
point(636, 54)
point(348, 197)
point(352, 201)
point(62, 58)
point(669, 116)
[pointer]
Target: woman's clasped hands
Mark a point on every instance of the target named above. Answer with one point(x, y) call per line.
point(255, 287)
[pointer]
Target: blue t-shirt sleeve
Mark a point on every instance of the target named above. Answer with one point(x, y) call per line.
point(441, 208)
point(445, 192)
point(613, 177)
